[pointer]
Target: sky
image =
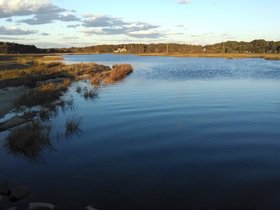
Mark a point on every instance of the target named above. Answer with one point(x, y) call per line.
point(78, 23)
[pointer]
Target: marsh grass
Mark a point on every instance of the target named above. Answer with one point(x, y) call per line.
point(119, 72)
point(21, 65)
point(79, 90)
point(52, 58)
point(90, 94)
point(29, 140)
point(44, 94)
point(268, 56)
point(72, 127)
point(84, 69)
point(97, 79)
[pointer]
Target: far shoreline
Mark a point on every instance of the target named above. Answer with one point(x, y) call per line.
point(266, 56)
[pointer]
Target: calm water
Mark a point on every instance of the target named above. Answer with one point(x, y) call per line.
point(179, 133)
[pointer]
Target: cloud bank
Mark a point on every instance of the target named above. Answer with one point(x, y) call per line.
point(35, 12)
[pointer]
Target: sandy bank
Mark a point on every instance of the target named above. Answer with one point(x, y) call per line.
point(8, 97)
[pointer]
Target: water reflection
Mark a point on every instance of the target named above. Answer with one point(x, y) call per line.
point(29, 140)
point(32, 138)
point(72, 127)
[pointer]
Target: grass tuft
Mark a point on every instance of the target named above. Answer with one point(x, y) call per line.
point(119, 72)
point(90, 94)
point(29, 140)
point(72, 127)
point(44, 94)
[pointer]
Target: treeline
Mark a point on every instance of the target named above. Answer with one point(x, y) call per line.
point(137, 48)
point(256, 46)
point(13, 48)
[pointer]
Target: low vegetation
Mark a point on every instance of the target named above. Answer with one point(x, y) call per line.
point(266, 56)
point(42, 68)
point(84, 70)
point(48, 79)
point(28, 140)
point(89, 94)
point(119, 72)
point(44, 94)
point(72, 127)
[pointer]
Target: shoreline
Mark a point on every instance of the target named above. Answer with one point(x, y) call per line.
point(267, 56)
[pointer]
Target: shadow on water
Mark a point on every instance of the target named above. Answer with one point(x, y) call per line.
point(30, 140)
point(72, 127)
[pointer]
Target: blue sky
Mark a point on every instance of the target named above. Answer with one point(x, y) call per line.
point(64, 23)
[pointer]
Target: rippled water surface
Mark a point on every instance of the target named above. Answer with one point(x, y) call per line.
point(178, 133)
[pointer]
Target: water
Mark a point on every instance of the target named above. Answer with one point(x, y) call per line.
point(179, 133)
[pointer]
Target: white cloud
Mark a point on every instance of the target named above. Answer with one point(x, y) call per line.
point(9, 8)
point(38, 11)
point(106, 25)
point(15, 31)
point(184, 1)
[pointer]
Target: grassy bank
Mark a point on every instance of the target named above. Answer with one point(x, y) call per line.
point(45, 79)
point(218, 55)
point(16, 70)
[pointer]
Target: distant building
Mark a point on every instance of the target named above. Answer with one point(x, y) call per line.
point(120, 50)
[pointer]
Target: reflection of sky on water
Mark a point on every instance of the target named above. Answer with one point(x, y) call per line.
point(166, 134)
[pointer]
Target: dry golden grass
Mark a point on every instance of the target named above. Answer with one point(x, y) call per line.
point(53, 58)
point(44, 94)
point(28, 140)
point(119, 72)
point(85, 69)
point(39, 70)
point(23, 65)
point(97, 79)
point(218, 55)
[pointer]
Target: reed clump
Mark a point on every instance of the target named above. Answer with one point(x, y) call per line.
point(28, 140)
point(72, 127)
point(44, 94)
point(119, 72)
point(84, 70)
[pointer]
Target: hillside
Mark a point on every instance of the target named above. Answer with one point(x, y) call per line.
point(13, 48)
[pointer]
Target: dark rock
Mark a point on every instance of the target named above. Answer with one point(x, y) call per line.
point(41, 206)
point(19, 194)
point(5, 188)
point(90, 208)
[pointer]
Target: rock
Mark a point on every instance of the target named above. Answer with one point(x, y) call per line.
point(5, 188)
point(41, 206)
point(90, 208)
point(19, 194)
